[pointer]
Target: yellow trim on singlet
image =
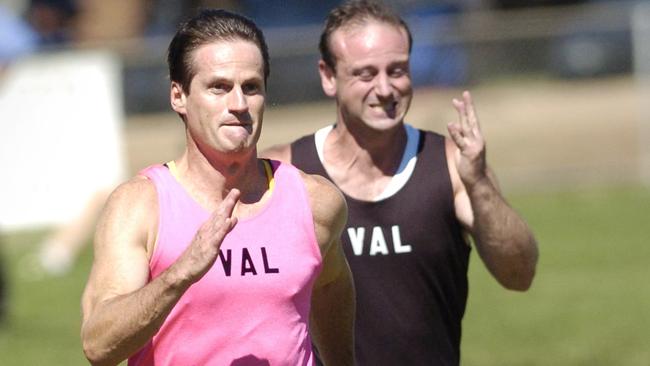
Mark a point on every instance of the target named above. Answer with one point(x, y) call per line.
point(173, 170)
point(267, 168)
point(269, 174)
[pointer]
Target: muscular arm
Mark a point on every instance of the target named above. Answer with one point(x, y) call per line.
point(333, 298)
point(503, 240)
point(121, 311)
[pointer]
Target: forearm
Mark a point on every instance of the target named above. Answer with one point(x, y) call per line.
point(332, 325)
point(120, 326)
point(504, 241)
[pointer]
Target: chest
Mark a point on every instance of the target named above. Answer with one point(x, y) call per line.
point(408, 223)
point(359, 185)
point(408, 239)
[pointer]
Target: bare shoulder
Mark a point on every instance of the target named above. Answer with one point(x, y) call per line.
point(327, 202)
point(135, 195)
point(137, 186)
point(278, 152)
point(131, 210)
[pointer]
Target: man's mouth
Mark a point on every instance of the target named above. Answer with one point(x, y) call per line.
point(389, 108)
point(245, 125)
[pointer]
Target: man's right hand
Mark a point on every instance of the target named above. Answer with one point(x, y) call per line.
point(201, 254)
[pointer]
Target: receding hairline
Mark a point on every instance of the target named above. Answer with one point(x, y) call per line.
point(358, 24)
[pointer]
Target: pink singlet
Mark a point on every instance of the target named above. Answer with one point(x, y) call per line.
point(252, 307)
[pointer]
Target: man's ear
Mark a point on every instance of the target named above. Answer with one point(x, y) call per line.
point(327, 78)
point(177, 98)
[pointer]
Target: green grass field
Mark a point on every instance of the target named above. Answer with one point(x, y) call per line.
point(589, 305)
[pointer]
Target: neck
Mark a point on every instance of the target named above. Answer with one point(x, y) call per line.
point(212, 176)
point(367, 148)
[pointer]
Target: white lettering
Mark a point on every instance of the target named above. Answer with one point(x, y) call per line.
point(378, 243)
point(397, 241)
point(356, 239)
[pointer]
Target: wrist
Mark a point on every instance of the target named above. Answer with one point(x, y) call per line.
point(477, 183)
point(175, 279)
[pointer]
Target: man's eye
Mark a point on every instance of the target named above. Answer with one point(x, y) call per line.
point(219, 88)
point(250, 88)
point(399, 72)
point(365, 75)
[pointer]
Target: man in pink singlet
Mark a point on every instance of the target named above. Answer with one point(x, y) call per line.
point(218, 257)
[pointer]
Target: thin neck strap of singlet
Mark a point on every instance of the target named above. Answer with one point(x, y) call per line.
point(268, 169)
point(269, 174)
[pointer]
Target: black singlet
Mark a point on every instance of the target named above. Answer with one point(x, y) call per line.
point(409, 262)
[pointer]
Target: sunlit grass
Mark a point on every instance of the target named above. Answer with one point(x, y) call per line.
point(590, 299)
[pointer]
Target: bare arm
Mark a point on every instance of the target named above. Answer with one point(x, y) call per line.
point(333, 298)
point(121, 311)
point(503, 240)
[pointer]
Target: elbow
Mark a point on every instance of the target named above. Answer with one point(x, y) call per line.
point(98, 359)
point(521, 274)
point(95, 354)
point(94, 358)
point(521, 284)
point(520, 280)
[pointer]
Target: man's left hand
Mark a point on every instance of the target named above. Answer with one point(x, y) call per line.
point(466, 134)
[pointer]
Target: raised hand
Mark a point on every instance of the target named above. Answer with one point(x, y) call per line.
point(466, 134)
point(201, 254)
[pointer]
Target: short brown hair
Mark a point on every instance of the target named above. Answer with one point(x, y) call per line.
point(208, 26)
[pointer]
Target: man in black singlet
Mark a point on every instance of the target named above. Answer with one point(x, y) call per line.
point(412, 195)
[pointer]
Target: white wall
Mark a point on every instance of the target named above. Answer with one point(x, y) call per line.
point(61, 122)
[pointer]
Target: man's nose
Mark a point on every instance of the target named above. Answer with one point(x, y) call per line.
point(383, 87)
point(237, 101)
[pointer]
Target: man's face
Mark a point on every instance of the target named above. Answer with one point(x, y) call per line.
point(372, 84)
point(224, 108)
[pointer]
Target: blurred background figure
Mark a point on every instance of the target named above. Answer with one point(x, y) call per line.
point(17, 37)
point(59, 250)
point(29, 26)
point(53, 21)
